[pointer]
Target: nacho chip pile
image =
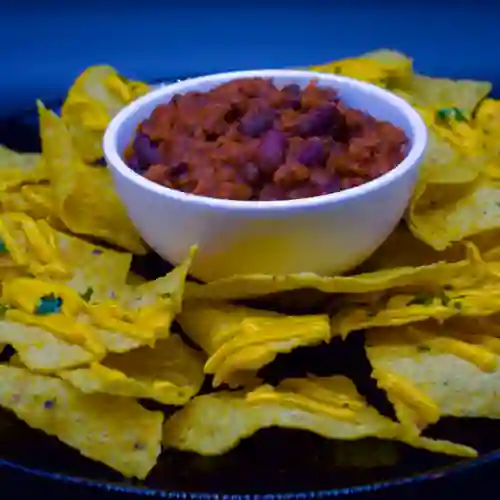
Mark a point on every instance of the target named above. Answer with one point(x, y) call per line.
point(92, 340)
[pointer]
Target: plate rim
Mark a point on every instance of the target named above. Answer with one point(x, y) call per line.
point(436, 474)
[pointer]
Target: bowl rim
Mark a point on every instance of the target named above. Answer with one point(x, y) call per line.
point(411, 160)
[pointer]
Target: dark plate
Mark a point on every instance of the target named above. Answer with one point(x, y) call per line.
point(273, 464)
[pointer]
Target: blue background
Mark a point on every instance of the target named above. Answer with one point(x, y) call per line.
point(44, 45)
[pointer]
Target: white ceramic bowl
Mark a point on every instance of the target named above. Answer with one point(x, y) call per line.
point(327, 234)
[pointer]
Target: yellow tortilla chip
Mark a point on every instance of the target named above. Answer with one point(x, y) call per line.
point(169, 287)
point(487, 117)
point(439, 93)
point(481, 326)
point(33, 200)
point(41, 203)
point(394, 70)
point(95, 425)
point(487, 120)
point(241, 339)
point(430, 371)
point(386, 68)
point(101, 270)
point(403, 249)
point(43, 342)
point(171, 373)
point(14, 201)
point(442, 207)
point(99, 327)
point(331, 407)
point(30, 244)
point(50, 254)
point(17, 169)
point(134, 279)
point(257, 285)
point(260, 340)
point(488, 243)
point(41, 351)
point(93, 100)
point(139, 318)
point(446, 164)
point(405, 308)
point(212, 324)
point(477, 210)
point(493, 254)
point(243, 380)
point(96, 327)
point(85, 197)
point(144, 312)
point(116, 341)
point(461, 135)
point(446, 176)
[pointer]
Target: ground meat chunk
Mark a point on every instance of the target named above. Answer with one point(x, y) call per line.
point(249, 140)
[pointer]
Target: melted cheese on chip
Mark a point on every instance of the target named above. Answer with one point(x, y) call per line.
point(215, 423)
point(239, 339)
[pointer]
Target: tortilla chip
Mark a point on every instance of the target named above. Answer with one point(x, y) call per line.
point(387, 56)
point(430, 372)
point(102, 270)
point(17, 169)
point(439, 93)
point(455, 162)
point(92, 424)
point(386, 68)
point(40, 201)
point(487, 120)
point(84, 196)
point(111, 325)
point(14, 201)
point(171, 373)
point(488, 243)
point(134, 279)
point(445, 164)
point(210, 325)
point(403, 249)
point(33, 200)
point(405, 308)
point(143, 313)
point(169, 287)
point(41, 351)
point(475, 211)
point(241, 339)
point(93, 100)
point(215, 423)
point(242, 379)
point(117, 342)
point(486, 325)
point(49, 254)
point(258, 285)
point(260, 340)
point(486, 116)
point(30, 244)
point(331, 407)
point(42, 337)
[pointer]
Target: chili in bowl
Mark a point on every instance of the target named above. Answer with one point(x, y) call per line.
point(271, 171)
